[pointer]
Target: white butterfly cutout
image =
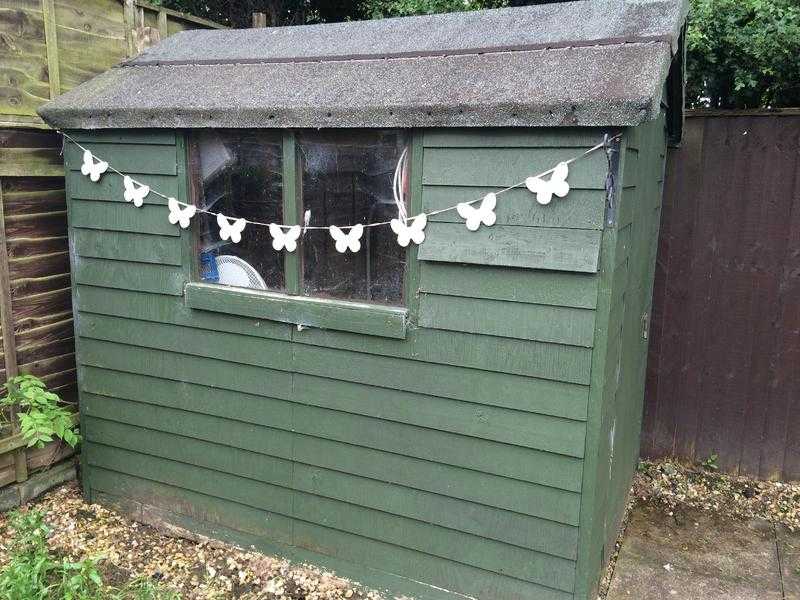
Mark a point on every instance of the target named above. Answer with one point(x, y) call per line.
point(91, 168)
point(284, 238)
point(410, 230)
point(483, 214)
point(134, 194)
point(557, 184)
point(230, 229)
point(350, 240)
point(180, 214)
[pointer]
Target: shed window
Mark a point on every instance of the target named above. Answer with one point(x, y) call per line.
point(336, 177)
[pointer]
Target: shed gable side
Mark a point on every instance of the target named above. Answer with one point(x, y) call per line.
point(453, 457)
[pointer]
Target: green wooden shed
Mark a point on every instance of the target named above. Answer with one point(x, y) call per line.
point(453, 416)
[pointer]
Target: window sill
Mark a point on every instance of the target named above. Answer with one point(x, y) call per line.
point(355, 317)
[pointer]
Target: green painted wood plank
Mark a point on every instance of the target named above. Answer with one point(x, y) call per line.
point(132, 159)
point(112, 216)
point(515, 427)
point(515, 285)
point(500, 525)
point(247, 436)
point(462, 548)
point(190, 397)
point(504, 526)
point(485, 456)
point(273, 354)
point(488, 353)
point(529, 247)
point(190, 451)
point(422, 567)
point(503, 167)
point(271, 526)
point(519, 393)
point(515, 137)
point(580, 209)
point(111, 189)
point(161, 279)
point(574, 326)
point(186, 368)
point(291, 182)
point(168, 309)
point(478, 454)
point(124, 246)
point(126, 136)
point(370, 319)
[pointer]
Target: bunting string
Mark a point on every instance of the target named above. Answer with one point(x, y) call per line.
point(476, 213)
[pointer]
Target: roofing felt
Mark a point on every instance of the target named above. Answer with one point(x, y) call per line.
point(586, 62)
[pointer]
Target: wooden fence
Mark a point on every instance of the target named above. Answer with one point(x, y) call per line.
point(724, 365)
point(46, 48)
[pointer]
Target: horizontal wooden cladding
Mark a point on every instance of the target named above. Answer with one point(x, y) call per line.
point(449, 475)
point(521, 530)
point(111, 189)
point(355, 317)
point(111, 216)
point(575, 290)
point(27, 152)
point(561, 471)
point(581, 138)
point(557, 249)
point(125, 246)
point(147, 137)
point(244, 523)
point(488, 353)
point(503, 167)
point(129, 158)
point(144, 277)
point(581, 209)
point(574, 326)
point(520, 393)
point(453, 545)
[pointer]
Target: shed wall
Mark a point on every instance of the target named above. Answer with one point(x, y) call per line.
point(453, 457)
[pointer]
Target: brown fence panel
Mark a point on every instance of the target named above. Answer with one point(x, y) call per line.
point(724, 366)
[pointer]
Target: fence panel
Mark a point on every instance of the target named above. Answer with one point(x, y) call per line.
point(724, 366)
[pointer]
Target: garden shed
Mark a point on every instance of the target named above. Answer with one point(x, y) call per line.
point(376, 295)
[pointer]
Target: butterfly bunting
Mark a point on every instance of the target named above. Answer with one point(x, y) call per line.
point(284, 239)
point(91, 168)
point(482, 215)
point(347, 241)
point(410, 230)
point(230, 229)
point(133, 193)
point(557, 184)
point(180, 214)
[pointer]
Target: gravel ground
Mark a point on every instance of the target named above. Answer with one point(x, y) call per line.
point(206, 570)
point(197, 570)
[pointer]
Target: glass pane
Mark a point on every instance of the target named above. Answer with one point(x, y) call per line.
point(239, 173)
point(347, 179)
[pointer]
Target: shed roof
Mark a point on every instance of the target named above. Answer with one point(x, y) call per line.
point(586, 62)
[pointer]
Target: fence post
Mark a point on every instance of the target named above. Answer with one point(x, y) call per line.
point(9, 341)
point(259, 19)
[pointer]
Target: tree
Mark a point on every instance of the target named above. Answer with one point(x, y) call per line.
point(744, 53)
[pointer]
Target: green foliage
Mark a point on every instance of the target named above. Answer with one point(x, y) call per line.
point(34, 573)
point(377, 9)
point(743, 53)
point(710, 464)
point(42, 416)
point(29, 571)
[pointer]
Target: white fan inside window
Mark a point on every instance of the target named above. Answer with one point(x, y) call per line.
point(239, 273)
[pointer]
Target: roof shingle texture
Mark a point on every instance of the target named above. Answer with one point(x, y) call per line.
point(586, 62)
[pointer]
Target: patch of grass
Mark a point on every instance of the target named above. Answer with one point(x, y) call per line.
point(34, 572)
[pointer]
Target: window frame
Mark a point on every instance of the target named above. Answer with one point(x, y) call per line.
point(291, 306)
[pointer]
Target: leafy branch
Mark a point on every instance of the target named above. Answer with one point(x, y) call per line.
point(41, 414)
